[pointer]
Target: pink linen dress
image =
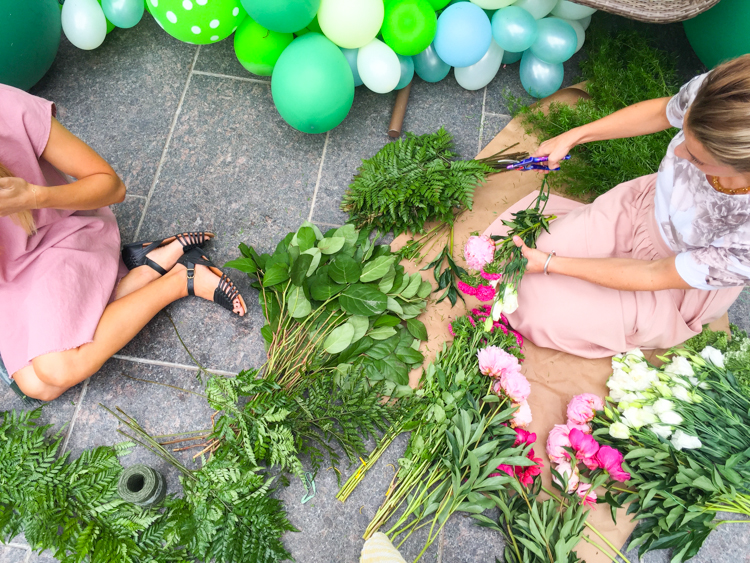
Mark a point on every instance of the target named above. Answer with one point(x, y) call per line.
point(55, 284)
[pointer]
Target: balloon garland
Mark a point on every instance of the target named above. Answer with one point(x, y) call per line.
point(318, 51)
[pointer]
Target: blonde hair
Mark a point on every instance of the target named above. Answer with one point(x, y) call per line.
point(719, 117)
point(25, 219)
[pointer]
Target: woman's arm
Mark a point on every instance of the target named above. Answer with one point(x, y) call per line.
point(625, 274)
point(97, 184)
point(642, 118)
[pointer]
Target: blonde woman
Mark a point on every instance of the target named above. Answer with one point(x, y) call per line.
point(67, 301)
point(651, 261)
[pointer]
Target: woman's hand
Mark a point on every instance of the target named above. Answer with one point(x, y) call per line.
point(557, 147)
point(16, 195)
point(536, 258)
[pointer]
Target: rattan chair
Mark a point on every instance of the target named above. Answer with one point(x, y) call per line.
point(652, 11)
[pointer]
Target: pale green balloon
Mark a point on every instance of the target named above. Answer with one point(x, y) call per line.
point(351, 23)
point(199, 22)
point(83, 23)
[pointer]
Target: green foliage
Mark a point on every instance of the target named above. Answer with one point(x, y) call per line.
point(72, 507)
point(622, 69)
point(736, 352)
point(411, 181)
point(279, 428)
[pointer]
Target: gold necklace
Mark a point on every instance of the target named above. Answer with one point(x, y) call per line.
point(721, 189)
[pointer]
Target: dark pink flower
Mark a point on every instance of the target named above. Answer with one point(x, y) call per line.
point(524, 437)
point(585, 446)
point(504, 468)
point(485, 293)
point(466, 289)
point(610, 460)
point(490, 276)
point(519, 338)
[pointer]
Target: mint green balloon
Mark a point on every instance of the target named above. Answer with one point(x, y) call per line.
point(199, 22)
point(312, 84)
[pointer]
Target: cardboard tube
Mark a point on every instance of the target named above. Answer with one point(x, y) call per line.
point(399, 111)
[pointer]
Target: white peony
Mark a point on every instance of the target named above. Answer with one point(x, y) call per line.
point(681, 441)
point(663, 405)
point(619, 430)
point(679, 366)
point(681, 393)
point(661, 430)
point(510, 300)
point(671, 417)
point(711, 354)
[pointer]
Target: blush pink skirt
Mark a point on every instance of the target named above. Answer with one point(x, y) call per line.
point(592, 321)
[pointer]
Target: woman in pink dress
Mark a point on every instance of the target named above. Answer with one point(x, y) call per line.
point(652, 260)
point(67, 300)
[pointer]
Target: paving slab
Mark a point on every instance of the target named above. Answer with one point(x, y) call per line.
point(121, 97)
point(9, 554)
point(220, 58)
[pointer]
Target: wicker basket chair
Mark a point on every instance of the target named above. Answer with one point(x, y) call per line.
point(652, 11)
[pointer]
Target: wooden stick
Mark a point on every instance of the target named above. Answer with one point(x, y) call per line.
point(399, 111)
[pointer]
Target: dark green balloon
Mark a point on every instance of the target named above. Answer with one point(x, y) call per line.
point(312, 84)
point(721, 33)
point(284, 16)
point(29, 40)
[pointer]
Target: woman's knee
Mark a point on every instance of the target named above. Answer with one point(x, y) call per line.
point(33, 387)
point(58, 369)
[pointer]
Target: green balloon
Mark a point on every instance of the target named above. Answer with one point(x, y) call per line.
point(110, 25)
point(312, 84)
point(199, 22)
point(314, 25)
point(439, 4)
point(285, 16)
point(721, 33)
point(29, 40)
point(257, 48)
point(409, 26)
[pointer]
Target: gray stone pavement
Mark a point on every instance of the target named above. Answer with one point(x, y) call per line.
point(200, 146)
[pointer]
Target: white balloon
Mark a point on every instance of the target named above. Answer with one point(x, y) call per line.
point(480, 74)
point(580, 32)
point(379, 67)
point(537, 8)
point(585, 22)
point(492, 4)
point(84, 23)
point(567, 10)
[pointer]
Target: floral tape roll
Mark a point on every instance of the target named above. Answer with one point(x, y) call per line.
point(141, 485)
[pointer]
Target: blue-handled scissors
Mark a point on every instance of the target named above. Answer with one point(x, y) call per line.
point(532, 163)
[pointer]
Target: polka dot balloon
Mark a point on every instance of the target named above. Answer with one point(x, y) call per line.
point(200, 22)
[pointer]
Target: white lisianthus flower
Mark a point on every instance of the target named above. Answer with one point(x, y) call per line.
point(711, 354)
point(661, 430)
point(510, 300)
point(619, 430)
point(663, 405)
point(642, 377)
point(663, 389)
point(494, 283)
point(497, 309)
point(636, 398)
point(648, 415)
point(681, 441)
point(679, 366)
point(671, 417)
point(616, 393)
point(635, 417)
point(634, 357)
point(682, 394)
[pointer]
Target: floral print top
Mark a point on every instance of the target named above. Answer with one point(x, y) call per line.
point(709, 231)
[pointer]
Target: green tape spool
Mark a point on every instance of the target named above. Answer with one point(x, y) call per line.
point(142, 485)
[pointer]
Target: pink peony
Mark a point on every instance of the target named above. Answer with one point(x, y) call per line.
point(585, 447)
point(490, 276)
point(517, 387)
point(485, 293)
point(565, 469)
point(610, 460)
point(479, 251)
point(494, 361)
point(588, 497)
point(526, 474)
point(582, 408)
point(524, 437)
point(466, 289)
point(505, 469)
point(585, 428)
point(557, 440)
point(522, 416)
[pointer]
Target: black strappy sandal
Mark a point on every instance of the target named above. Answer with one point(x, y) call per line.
point(135, 254)
point(225, 293)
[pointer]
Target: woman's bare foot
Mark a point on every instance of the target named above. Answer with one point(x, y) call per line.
point(205, 283)
point(165, 256)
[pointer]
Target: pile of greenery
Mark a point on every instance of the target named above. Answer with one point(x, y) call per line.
point(412, 181)
point(622, 69)
point(736, 350)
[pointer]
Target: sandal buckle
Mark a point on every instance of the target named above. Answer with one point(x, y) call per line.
point(191, 273)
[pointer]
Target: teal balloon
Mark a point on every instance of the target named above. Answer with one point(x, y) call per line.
point(351, 58)
point(429, 67)
point(123, 13)
point(540, 79)
point(407, 71)
point(285, 16)
point(509, 57)
point(29, 40)
point(489, 13)
point(556, 41)
point(720, 33)
point(514, 29)
point(312, 84)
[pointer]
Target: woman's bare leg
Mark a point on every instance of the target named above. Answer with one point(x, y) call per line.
point(166, 256)
point(51, 374)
